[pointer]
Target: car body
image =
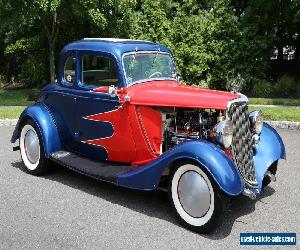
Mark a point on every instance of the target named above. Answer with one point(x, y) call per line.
point(119, 113)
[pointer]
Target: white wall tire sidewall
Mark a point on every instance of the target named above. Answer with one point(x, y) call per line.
point(30, 166)
point(197, 222)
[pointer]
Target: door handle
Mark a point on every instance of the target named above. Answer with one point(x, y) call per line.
point(77, 135)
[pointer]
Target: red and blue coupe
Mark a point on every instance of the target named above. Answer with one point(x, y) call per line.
point(118, 113)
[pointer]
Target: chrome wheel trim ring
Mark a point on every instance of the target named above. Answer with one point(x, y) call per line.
point(193, 194)
point(30, 147)
point(184, 212)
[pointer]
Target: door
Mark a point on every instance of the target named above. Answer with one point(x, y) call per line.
point(103, 124)
point(61, 101)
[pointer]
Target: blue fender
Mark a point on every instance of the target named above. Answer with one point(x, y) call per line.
point(40, 114)
point(269, 150)
point(208, 155)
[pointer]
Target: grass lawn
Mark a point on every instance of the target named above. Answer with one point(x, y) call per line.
point(16, 97)
point(279, 113)
point(275, 101)
point(10, 112)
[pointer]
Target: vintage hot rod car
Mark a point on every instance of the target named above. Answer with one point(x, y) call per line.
point(119, 113)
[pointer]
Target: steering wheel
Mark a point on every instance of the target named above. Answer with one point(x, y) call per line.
point(157, 74)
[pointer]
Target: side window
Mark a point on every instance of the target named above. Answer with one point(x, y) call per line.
point(99, 71)
point(69, 70)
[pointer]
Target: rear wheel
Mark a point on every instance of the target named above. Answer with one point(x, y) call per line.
point(32, 149)
point(196, 199)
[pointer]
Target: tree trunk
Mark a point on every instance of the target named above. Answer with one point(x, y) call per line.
point(297, 51)
point(280, 53)
point(51, 61)
point(52, 32)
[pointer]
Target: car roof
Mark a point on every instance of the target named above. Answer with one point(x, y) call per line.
point(114, 46)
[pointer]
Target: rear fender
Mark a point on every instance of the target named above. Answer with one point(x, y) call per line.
point(41, 116)
point(206, 154)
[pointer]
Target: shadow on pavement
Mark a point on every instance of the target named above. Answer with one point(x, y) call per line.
point(150, 203)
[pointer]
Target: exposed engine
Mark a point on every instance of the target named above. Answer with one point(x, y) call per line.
point(180, 125)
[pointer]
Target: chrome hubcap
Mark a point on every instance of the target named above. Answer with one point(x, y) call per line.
point(32, 147)
point(194, 194)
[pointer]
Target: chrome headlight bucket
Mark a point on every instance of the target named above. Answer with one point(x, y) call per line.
point(256, 121)
point(223, 133)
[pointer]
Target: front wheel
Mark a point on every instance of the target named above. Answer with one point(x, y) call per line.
point(273, 170)
point(32, 150)
point(196, 199)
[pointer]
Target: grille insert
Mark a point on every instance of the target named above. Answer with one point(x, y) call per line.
point(242, 143)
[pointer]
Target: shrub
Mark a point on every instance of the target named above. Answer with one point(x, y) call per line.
point(286, 86)
point(250, 81)
point(262, 88)
point(235, 83)
point(203, 84)
point(34, 70)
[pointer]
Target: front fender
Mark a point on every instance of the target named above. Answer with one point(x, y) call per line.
point(41, 116)
point(269, 150)
point(206, 154)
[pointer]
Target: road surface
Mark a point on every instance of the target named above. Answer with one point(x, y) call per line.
point(65, 210)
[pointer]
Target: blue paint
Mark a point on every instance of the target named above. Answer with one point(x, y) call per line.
point(69, 106)
point(52, 135)
point(41, 116)
point(114, 50)
point(91, 103)
point(269, 150)
point(208, 155)
point(213, 159)
point(61, 104)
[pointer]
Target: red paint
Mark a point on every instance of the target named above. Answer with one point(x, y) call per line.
point(138, 128)
point(228, 153)
point(120, 146)
point(151, 122)
point(101, 89)
point(171, 93)
point(129, 143)
point(105, 90)
point(144, 154)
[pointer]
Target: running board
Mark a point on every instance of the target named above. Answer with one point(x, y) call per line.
point(104, 171)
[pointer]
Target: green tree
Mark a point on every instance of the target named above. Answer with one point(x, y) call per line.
point(25, 20)
point(154, 21)
point(212, 40)
point(200, 34)
point(109, 18)
point(51, 20)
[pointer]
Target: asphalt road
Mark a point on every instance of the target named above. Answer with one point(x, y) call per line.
point(64, 210)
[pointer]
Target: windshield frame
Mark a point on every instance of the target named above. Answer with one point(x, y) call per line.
point(148, 79)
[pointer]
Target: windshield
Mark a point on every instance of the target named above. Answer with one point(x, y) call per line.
point(141, 67)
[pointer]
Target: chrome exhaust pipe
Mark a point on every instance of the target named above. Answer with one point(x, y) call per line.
point(270, 176)
point(247, 192)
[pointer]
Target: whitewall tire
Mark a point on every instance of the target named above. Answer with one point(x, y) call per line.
point(196, 199)
point(32, 150)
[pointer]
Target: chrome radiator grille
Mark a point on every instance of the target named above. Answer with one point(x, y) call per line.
point(242, 143)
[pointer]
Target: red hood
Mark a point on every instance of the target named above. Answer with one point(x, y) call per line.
point(170, 93)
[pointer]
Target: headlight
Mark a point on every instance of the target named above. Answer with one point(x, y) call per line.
point(223, 132)
point(256, 121)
